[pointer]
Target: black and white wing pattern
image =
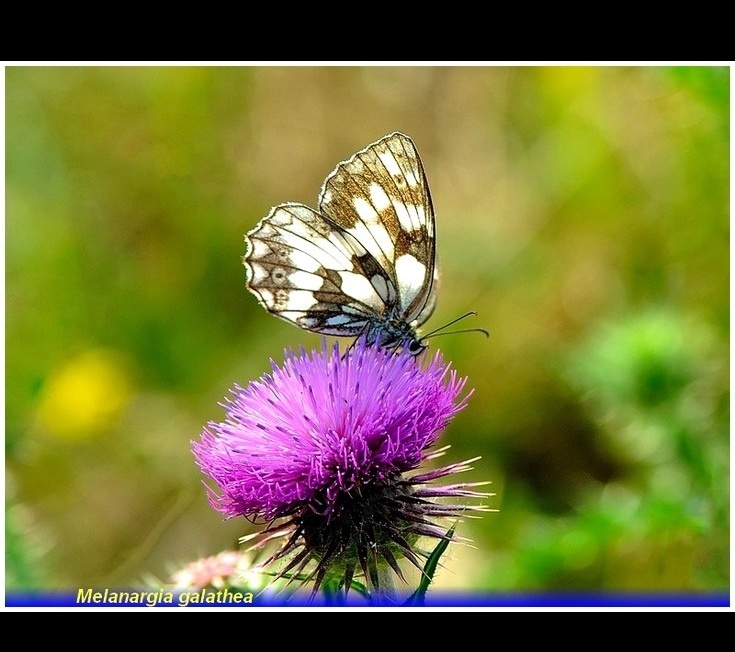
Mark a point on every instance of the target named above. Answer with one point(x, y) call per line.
point(364, 263)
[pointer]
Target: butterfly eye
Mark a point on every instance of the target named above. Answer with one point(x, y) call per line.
point(416, 346)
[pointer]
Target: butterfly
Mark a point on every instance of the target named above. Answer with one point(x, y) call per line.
point(364, 263)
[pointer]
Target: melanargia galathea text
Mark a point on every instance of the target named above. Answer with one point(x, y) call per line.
point(363, 264)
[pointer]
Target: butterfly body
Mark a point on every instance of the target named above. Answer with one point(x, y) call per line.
point(363, 264)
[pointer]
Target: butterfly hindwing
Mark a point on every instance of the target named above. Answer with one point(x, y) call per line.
point(364, 263)
point(311, 273)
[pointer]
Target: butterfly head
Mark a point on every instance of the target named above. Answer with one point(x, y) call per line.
point(393, 334)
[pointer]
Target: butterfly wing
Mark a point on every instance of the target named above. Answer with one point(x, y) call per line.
point(308, 271)
point(381, 197)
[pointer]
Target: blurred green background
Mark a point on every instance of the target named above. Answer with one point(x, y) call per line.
point(583, 212)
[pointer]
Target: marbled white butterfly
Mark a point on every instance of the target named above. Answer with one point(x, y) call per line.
point(365, 262)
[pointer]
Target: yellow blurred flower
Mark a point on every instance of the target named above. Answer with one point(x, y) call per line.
point(85, 396)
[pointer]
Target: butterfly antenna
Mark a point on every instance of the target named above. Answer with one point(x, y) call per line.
point(438, 331)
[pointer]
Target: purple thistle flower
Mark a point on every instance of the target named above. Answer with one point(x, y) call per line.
point(320, 448)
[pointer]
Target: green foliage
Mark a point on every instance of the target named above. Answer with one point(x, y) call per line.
point(418, 597)
point(23, 567)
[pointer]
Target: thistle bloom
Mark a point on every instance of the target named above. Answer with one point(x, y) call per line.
point(324, 450)
point(228, 568)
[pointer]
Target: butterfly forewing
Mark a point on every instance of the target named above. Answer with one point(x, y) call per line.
point(365, 261)
point(381, 196)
